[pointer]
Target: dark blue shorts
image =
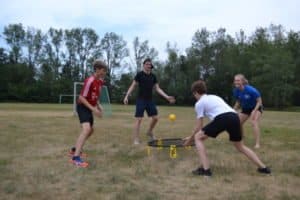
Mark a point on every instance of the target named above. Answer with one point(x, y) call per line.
point(142, 105)
point(229, 122)
point(85, 114)
point(247, 111)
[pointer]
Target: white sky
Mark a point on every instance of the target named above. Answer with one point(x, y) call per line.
point(158, 21)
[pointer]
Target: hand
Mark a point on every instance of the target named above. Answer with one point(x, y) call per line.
point(188, 141)
point(171, 99)
point(97, 112)
point(101, 108)
point(125, 101)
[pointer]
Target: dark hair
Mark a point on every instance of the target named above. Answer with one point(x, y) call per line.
point(199, 87)
point(148, 60)
point(99, 64)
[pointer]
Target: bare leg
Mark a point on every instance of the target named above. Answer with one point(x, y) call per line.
point(153, 122)
point(256, 130)
point(136, 133)
point(199, 139)
point(243, 118)
point(249, 153)
point(91, 132)
point(85, 133)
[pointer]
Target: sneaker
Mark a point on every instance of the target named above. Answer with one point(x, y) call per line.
point(72, 152)
point(78, 162)
point(136, 142)
point(202, 172)
point(265, 170)
point(151, 136)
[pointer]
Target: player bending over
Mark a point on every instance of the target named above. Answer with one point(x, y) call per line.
point(223, 118)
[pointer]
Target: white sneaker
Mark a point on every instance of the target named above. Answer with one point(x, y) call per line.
point(136, 142)
point(151, 136)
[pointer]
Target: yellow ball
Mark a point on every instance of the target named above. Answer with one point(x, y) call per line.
point(172, 117)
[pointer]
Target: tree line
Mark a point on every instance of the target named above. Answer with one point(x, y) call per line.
point(37, 66)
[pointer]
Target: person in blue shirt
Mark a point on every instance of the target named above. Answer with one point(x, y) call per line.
point(249, 100)
point(222, 118)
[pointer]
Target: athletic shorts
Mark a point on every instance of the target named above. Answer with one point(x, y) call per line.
point(247, 111)
point(142, 105)
point(85, 114)
point(229, 122)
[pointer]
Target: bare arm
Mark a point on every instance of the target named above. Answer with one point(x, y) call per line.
point(171, 99)
point(258, 103)
point(198, 126)
point(130, 89)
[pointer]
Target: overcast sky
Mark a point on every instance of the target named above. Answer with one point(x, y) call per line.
point(158, 21)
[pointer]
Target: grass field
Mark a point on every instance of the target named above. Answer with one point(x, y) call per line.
point(35, 138)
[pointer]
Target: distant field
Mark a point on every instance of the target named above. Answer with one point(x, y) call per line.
point(35, 138)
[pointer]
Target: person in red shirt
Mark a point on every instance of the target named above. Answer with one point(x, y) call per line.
point(87, 105)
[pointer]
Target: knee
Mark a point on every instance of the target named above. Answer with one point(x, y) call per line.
point(155, 119)
point(239, 146)
point(254, 122)
point(139, 121)
point(87, 130)
point(91, 131)
point(199, 136)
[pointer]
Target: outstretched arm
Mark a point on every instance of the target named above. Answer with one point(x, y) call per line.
point(130, 89)
point(171, 99)
point(198, 126)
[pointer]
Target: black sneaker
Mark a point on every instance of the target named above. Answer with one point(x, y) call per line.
point(202, 172)
point(265, 170)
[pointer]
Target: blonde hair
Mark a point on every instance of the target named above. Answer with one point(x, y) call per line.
point(243, 78)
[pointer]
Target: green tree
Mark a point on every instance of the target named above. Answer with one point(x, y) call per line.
point(14, 35)
point(114, 51)
point(143, 51)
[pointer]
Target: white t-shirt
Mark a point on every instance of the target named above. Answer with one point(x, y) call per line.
point(211, 106)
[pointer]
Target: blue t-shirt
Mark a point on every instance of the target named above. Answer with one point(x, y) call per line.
point(247, 97)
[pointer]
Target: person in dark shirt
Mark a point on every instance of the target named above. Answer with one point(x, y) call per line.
point(146, 81)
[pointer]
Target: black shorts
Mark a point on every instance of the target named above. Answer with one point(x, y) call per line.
point(248, 111)
point(229, 122)
point(142, 105)
point(85, 114)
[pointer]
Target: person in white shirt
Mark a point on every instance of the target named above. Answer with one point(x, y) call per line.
point(223, 118)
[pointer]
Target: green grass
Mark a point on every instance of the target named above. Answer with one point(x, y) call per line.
point(35, 138)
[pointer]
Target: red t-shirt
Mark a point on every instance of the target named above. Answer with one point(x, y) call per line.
point(91, 90)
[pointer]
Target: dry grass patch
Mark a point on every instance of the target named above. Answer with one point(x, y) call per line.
point(35, 138)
